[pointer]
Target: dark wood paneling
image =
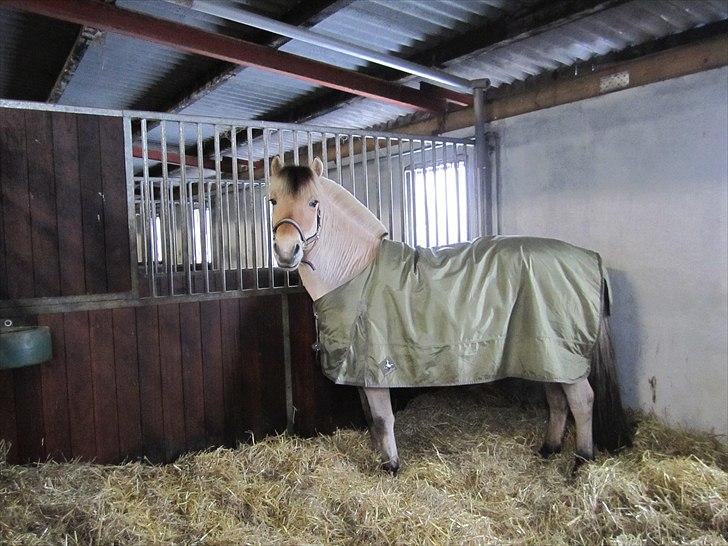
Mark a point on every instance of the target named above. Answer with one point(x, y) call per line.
point(80, 385)
point(232, 370)
point(150, 383)
point(104, 385)
point(41, 185)
point(172, 389)
point(63, 210)
point(68, 204)
point(55, 392)
point(92, 203)
point(8, 427)
point(192, 375)
point(111, 144)
point(212, 371)
point(16, 205)
point(127, 383)
point(29, 413)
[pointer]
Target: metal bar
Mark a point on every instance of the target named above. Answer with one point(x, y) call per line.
point(364, 160)
point(220, 242)
point(131, 208)
point(457, 193)
point(224, 48)
point(281, 153)
point(437, 201)
point(232, 13)
point(236, 189)
point(296, 155)
point(377, 165)
point(404, 225)
point(310, 150)
point(167, 209)
point(481, 151)
point(413, 185)
point(391, 189)
point(351, 165)
point(150, 223)
point(325, 154)
point(186, 203)
point(423, 157)
point(264, 199)
point(337, 150)
point(254, 225)
point(202, 207)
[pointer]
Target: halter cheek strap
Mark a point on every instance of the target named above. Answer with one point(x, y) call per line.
point(308, 242)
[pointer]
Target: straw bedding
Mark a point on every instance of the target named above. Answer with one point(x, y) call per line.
point(471, 475)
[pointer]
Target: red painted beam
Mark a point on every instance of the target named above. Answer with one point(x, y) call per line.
point(172, 157)
point(193, 40)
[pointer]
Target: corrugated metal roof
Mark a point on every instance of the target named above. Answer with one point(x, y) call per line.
point(27, 71)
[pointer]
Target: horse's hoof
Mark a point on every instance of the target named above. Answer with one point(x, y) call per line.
point(391, 467)
point(546, 450)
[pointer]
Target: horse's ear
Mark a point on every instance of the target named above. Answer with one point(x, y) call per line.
point(318, 167)
point(276, 165)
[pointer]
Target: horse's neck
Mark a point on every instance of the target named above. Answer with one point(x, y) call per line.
point(348, 241)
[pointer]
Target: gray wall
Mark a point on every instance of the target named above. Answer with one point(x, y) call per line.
point(641, 176)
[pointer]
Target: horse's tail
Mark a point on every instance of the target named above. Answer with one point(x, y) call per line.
point(611, 427)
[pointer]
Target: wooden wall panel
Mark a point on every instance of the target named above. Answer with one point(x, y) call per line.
point(126, 365)
point(150, 384)
point(192, 375)
point(212, 371)
point(63, 210)
point(16, 205)
point(68, 204)
point(41, 186)
point(172, 389)
point(55, 392)
point(232, 371)
point(8, 426)
point(104, 385)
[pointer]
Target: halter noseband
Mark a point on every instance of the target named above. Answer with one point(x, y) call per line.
point(308, 242)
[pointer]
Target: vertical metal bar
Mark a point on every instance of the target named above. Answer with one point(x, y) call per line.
point(404, 203)
point(266, 216)
point(460, 210)
point(365, 167)
point(131, 206)
point(310, 149)
point(351, 165)
point(437, 201)
point(413, 185)
point(202, 204)
point(377, 165)
point(296, 157)
point(337, 145)
point(150, 216)
point(167, 217)
point(423, 156)
point(254, 224)
point(325, 154)
point(236, 188)
point(391, 189)
point(447, 192)
point(186, 204)
point(163, 210)
point(220, 198)
point(481, 150)
point(281, 153)
point(288, 365)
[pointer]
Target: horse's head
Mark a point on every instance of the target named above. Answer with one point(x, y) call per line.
point(296, 217)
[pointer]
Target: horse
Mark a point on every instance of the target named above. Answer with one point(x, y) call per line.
point(320, 229)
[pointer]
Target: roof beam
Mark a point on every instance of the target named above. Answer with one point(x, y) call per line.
point(232, 50)
point(305, 14)
point(529, 21)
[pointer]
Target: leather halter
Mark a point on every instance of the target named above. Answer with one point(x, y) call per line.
point(308, 242)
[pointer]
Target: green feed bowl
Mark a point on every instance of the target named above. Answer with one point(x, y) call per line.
point(24, 346)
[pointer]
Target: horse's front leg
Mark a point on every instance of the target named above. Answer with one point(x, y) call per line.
point(377, 406)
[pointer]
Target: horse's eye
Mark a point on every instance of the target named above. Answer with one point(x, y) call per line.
point(273, 202)
point(313, 203)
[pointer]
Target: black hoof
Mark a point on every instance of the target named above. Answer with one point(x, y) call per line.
point(546, 450)
point(391, 467)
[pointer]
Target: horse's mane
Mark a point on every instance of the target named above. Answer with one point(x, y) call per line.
point(350, 208)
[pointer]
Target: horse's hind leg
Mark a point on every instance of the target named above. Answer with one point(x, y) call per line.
point(381, 426)
point(581, 401)
point(558, 411)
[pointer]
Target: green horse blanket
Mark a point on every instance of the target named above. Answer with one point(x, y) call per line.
point(467, 313)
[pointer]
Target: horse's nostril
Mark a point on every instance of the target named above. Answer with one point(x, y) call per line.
point(296, 249)
point(275, 248)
